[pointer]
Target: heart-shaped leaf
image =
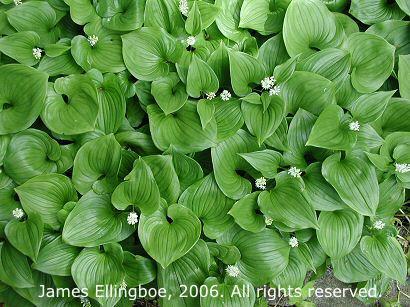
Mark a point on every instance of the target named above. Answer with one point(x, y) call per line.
point(138, 270)
point(244, 211)
point(370, 12)
point(124, 15)
point(169, 92)
point(20, 45)
point(81, 11)
point(293, 275)
point(201, 78)
point(369, 107)
point(178, 228)
point(265, 161)
point(228, 19)
point(229, 118)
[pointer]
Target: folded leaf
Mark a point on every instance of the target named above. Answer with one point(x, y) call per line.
point(229, 18)
point(138, 270)
point(201, 78)
point(244, 211)
point(169, 92)
point(124, 15)
point(265, 161)
point(369, 107)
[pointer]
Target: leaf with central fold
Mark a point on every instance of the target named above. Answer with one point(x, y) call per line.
point(167, 241)
point(138, 270)
point(308, 91)
point(56, 258)
point(355, 181)
point(182, 130)
point(386, 255)
point(310, 25)
point(46, 195)
point(265, 161)
point(263, 254)
point(289, 204)
point(260, 120)
point(369, 107)
point(226, 162)
point(26, 235)
point(139, 190)
point(193, 23)
point(229, 117)
point(169, 92)
point(79, 113)
point(94, 267)
point(339, 232)
point(201, 78)
point(209, 204)
point(31, 153)
point(22, 93)
point(20, 45)
point(164, 14)
point(96, 165)
point(244, 213)
point(147, 51)
point(331, 130)
point(103, 223)
point(372, 61)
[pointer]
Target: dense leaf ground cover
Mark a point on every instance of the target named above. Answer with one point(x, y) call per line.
point(202, 147)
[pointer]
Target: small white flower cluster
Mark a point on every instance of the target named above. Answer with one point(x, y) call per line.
point(210, 95)
point(260, 183)
point(295, 172)
point(18, 213)
point(37, 53)
point(191, 40)
point(354, 126)
point(268, 220)
point(293, 242)
point(268, 83)
point(17, 2)
point(402, 168)
point(183, 7)
point(232, 270)
point(226, 95)
point(93, 40)
point(132, 218)
point(85, 302)
point(379, 225)
point(275, 90)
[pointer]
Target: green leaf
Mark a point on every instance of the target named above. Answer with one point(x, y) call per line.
point(96, 165)
point(331, 130)
point(139, 190)
point(392, 197)
point(94, 266)
point(103, 223)
point(209, 204)
point(19, 46)
point(264, 118)
point(229, 18)
point(56, 258)
point(294, 274)
point(22, 97)
point(228, 254)
point(61, 65)
point(369, 107)
point(265, 161)
point(386, 255)
point(201, 78)
point(245, 70)
point(310, 25)
point(370, 12)
point(372, 61)
point(354, 267)
point(308, 91)
point(229, 118)
point(164, 14)
point(219, 62)
point(187, 169)
point(404, 71)
point(226, 162)
point(244, 213)
point(15, 270)
point(404, 6)
point(178, 228)
point(263, 254)
point(193, 24)
point(124, 15)
point(206, 111)
point(79, 113)
point(81, 11)
point(339, 232)
point(182, 130)
point(355, 181)
point(288, 203)
point(30, 153)
point(26, 235)
point(272, 53)
point(138, 270)
point(169, 92)
point(147, 51)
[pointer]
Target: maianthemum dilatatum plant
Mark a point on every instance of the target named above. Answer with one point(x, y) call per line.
point(208, 144)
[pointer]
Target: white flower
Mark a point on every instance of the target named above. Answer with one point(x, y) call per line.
point(37, 53)
point(293, 242)
point(18, 213)
point(17, 2)
point(123, 285)
point(226, 95)
point(402, 167)
point(275, 90)
point(183, 7)
point(268, 220)
point(232, 270)
point(210, 95)
point(295, 172)
point(354, 126)
point(191, 40)
point(260, 183)
point(132, 218)
point(268, 83)
point(93, 40)
point(85, 302)
point(379, 225)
